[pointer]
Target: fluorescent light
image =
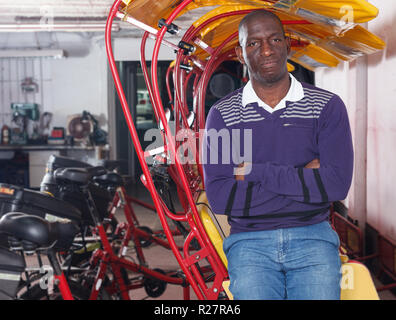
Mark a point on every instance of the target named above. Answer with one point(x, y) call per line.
point(82, 27)
point(32, 53)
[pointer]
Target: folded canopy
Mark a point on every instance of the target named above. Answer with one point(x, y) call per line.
point(323, 32)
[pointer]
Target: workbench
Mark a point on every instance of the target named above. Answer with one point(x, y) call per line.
point(37, 157)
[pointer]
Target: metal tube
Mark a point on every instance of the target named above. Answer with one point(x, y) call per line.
point(135, 137)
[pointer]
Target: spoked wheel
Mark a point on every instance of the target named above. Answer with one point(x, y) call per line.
point(145, 242)
point(155, 287)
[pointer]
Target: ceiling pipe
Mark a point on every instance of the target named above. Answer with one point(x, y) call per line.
point(67, 27)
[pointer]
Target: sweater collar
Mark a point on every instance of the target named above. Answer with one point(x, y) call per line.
point(295, 93)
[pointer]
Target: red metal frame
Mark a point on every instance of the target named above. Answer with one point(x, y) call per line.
point(188, 261)
point(386, 257)
point(106, 259)
point(63, 287)
point(351, 237)
point(188, 182)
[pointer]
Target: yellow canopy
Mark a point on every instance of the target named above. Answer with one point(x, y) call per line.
point(332, 35)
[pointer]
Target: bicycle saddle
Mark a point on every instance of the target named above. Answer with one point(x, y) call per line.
point(18, 199)
point(34, 232)
point(80, 176)
point(56, 161)
point(112, 164)
point(110, 179)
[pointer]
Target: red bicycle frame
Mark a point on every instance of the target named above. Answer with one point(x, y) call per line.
point(188, 180)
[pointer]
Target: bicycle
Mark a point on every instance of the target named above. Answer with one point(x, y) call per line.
point(107, 258)
point(28, 235)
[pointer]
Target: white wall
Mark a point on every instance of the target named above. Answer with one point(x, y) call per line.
point(66, 86)
point(70, 85)
point(381, 194)
point(129, 49)
point(377, 196)
point(79, 83)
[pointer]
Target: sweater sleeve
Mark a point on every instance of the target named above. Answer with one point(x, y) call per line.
point(226, 195)
point(331, 182)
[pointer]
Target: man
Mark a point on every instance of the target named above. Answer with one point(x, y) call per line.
point(299, 143)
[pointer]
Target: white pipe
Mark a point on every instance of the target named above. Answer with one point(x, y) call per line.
point(152, 31)
point(55, 53)
point(55, 27)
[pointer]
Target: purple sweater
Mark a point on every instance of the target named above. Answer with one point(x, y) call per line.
point(278, 192)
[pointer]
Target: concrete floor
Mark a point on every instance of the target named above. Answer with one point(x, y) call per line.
point(155, 255)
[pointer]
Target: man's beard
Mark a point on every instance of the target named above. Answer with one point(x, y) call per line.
point(270, 79)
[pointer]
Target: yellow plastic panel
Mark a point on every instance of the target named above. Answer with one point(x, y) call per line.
point(340, 15)
point(312, 57)
point(355, 43)
point(290, 67)
point(226, 286)
point(356, 283)
point(231, 8)
point(150, 12)
point(361, 10)
point(215, 33)
point(214, 231)
point(323, 33)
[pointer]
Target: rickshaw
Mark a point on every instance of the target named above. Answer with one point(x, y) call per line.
point(323, 33)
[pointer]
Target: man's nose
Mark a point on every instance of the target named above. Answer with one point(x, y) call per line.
point(266, 48)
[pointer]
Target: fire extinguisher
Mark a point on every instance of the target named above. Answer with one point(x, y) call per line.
point(5, 135)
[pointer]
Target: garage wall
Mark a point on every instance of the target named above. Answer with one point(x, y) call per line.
point(80, 82)
point(375, 172)
point(66, 86)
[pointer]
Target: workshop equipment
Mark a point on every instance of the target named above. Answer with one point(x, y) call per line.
point(21, 114)
point(84, 128)
point(5, 135)
point(98, 136)
point(57, 136)
point(79, 129)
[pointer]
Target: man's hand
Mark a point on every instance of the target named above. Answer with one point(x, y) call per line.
point(314, 164)
point(241, 170)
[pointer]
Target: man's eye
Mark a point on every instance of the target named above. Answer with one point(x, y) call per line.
point(277, 40)
point(252, 43)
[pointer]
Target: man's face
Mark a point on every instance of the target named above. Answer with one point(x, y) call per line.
point(264, 49)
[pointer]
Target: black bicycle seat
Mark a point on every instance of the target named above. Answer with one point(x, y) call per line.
point(56, 161)
point(28, 228)
point(96, 171)
point(19, 199)
point(35, 232)
point(112, 164)
point(110, 179)
point(80, 176)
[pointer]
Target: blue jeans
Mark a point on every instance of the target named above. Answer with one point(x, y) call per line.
point(299, 263)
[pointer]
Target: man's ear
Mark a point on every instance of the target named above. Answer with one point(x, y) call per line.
point(239, 53)
point(288, 44)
